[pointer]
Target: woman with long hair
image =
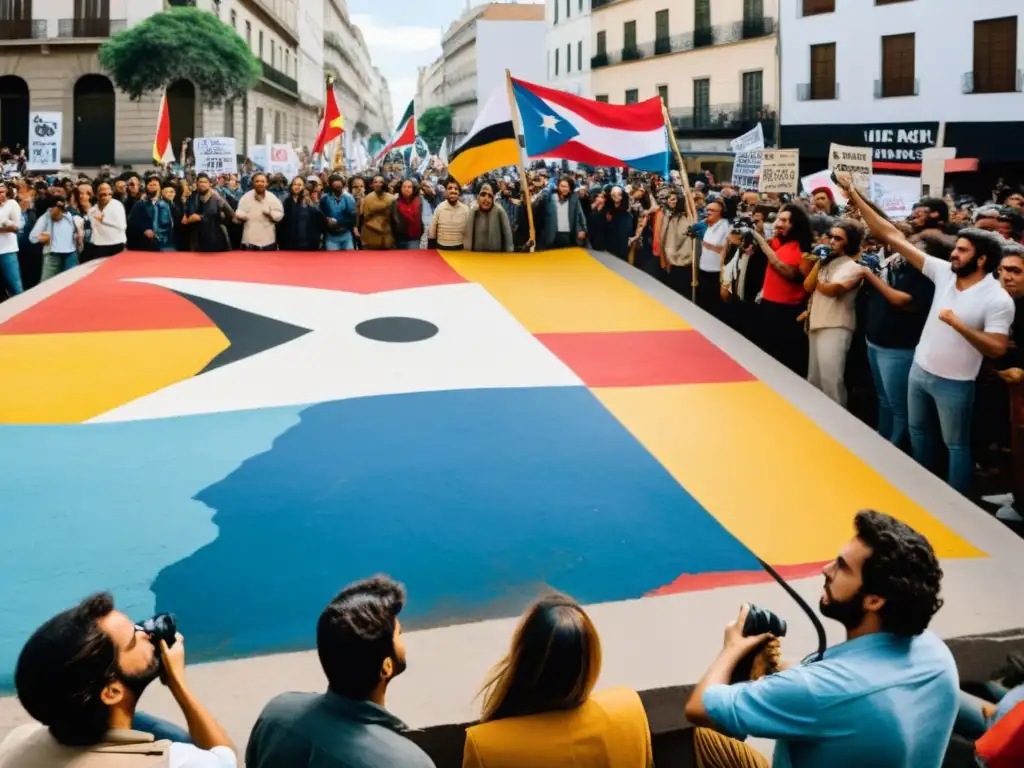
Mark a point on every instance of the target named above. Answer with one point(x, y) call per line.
point(375, 218)
point(543, 689)
point(597, 225)
point(407, 216)
point(80, 201)
point(675, 246)
point(303, 223)
point(619, 224)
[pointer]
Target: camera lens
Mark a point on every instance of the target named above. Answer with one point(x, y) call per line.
point(161, 627)
point(760, 620)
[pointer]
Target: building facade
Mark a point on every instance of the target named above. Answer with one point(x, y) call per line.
point(901, 76)
point(49, 62)
point(714, 64)
point(569, 37)
point(475, 52)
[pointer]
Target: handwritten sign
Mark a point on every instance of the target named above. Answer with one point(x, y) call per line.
point(216, 155)
point(780, 170)
point(44, 140)
point(746, 167)
point(854, 160)
point(749, 141)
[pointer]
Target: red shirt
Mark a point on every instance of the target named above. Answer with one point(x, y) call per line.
point(776, 287)
point(410, 212)
point(1002, 746)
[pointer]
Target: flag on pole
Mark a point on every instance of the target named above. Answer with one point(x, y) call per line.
point(443, 152)
point(404, 135)
point(559, 125)
point(163, 152)
point(491, 142)
point(333, 124)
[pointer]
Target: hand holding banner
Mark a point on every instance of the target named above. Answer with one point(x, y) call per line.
point(855, 160)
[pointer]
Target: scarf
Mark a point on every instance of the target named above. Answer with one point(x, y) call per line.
point(410, 212)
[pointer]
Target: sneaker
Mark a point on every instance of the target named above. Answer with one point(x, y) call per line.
point(999, 499)
point(1009, 515)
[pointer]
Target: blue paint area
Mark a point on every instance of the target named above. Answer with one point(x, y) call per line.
point(475, 499)
point(85, 508)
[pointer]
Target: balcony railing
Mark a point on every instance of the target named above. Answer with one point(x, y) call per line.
point(805, 92)
point(1012, 84)
point(598, 4)
point(23, 29)
point(723, 118)
point(90, 27)
point(721, 34)
point(894, 90)
point(279, 78)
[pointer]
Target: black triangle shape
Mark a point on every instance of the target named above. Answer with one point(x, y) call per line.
point(248, 334)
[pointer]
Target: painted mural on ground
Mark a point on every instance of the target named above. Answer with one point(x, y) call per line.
point(232, 438)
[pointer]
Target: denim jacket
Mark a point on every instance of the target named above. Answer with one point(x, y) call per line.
point(147, 214)
point(342, 210)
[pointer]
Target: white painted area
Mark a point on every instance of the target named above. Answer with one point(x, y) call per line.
point(514, 45)
point(479, 346)
point(568, 35)
point(944, 52)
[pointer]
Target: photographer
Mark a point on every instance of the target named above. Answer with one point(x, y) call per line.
point(81, 675)
point(888, 696)
point(743, 275)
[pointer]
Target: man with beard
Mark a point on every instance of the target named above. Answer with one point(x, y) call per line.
point(448, 225)
point(969, 319)
point(359, 642)
point(888, 696)
point(487, 227)
point(81, 674)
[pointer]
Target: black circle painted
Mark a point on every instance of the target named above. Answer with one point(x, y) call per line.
point(397, 330)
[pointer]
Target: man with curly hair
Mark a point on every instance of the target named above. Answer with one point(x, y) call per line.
point(887, 696)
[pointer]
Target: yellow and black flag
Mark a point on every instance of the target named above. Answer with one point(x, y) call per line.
point(491, 142)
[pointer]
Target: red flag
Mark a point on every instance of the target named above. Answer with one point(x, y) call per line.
point(163, 153)
point(333, 124)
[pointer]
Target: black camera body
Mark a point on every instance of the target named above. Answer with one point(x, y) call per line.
point(758, 621)
point(742, 225)
point(163, 626)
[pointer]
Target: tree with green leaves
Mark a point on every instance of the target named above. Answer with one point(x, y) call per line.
point(435, 125)
point(181, 44)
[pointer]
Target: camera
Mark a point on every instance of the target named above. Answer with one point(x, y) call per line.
point(160, 627)
point(742, 225)
point(761, 620)
point(823, 252)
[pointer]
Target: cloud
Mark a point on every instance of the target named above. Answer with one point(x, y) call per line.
point(407, 39)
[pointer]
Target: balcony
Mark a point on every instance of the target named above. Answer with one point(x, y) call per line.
point(596, 5)
point(1010, 83)
point(893, 90)
point(822, 92)
point(723, 119)
point(280, 79)
point(721, 34)
point(90, 28)
point(23, 29)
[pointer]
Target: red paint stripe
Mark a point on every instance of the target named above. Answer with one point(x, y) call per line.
point(698, 582)
point(643, 116)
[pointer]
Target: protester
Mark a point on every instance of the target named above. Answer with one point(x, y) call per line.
point(339, 209)
point(619, 225)
point(448, 226)
point(375, 218)
point(30, 255)
point(10, 223)
point(259, 211)
point(540, 707)
point(206, 218)
point(80, 676)
point(487, 225)
point(887, 696)
point(712, 257)
point(597, 223)
point(565, 223)
point(109, 223)
point(359, 643)
point(61, 234)
point(302, 224)
point(151, 221)
point(407, 216)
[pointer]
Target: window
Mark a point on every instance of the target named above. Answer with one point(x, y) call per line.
point(753, 95)
point(278, 135)
point(661, 36)
point(234, 20)
point(259, 125)
point(629, 36)
point(823, 71)
point(814, 7)
point(261, 45)
point(602, 43)
point(229, 118)
point(273, 54)
point(581, 6)
point(701, 102)
point(568, 8)
point(632, 96)
point(602, 97)
point(579, 55)
point(568, 58)
point(663, 94)
point(898, 65)
point(555, 3)
point(248, 34)
point(557, 51)
point(753, 19)
point(995, 55)
point(702, 34)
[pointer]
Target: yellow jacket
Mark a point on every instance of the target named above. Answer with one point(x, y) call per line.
point(609, 731)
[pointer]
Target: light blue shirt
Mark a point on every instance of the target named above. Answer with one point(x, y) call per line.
point(878, 700)
point(62, 233)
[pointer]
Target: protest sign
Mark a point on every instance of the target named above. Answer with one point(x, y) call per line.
point(746, 167)
point(44, 140)
point(854, 160)
point(215, 155)
point(749, 141)
point(779, 170)
point(896, 195)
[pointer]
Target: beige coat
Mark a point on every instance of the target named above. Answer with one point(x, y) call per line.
point(375, 229)
point(676, 246)
point(32, 746)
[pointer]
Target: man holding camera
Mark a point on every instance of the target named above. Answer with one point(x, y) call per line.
point(81, 674)
point(887, 696)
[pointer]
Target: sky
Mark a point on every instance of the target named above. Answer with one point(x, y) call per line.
point(403, 35)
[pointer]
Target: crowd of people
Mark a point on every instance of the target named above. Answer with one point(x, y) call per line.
point(889, 695)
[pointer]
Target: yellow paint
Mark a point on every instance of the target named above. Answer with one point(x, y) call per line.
point(777, 482)
point(62, 378)
point(565, 291)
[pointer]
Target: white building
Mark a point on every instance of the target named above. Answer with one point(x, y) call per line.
point(311, 66)
point(897, 75)
point(567, 46)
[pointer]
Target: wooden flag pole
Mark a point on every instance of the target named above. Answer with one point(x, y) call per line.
point(519, 154)
point(691, 208)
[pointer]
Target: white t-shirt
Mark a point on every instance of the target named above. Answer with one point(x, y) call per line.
point(10, 214)
point(191, 756)
point(716, 234)
point(985, 306)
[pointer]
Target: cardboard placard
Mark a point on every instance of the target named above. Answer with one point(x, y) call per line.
point(780, 171)
point(854, 160)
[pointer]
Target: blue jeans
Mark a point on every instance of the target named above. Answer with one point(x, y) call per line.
point(890, 368)
point(949, 402)
point(161, 729)
point(339, 242)
point(11, 273)
point(408, 245)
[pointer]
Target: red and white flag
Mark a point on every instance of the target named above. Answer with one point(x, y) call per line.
point(163, 152)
